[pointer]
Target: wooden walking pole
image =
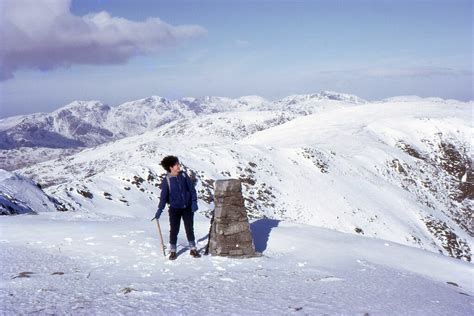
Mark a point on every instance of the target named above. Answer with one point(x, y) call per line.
point(161, 237)
point(206, 252)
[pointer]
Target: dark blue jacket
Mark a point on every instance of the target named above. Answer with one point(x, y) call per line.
point(182, 193)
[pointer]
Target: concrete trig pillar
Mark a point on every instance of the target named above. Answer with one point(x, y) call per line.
point(230, 230)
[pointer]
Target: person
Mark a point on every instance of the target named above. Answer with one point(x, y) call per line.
point(178, 191)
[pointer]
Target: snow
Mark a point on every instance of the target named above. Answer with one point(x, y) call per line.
point(89, 123)
point(19, 195)
point(342, 168)
point(353, 205)
point(10, 122)
point(303, 268)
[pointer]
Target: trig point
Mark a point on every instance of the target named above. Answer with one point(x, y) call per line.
point(230, 231)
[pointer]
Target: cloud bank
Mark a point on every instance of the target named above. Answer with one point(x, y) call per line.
point(43, 34)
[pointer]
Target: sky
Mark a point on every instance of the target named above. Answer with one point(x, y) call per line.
point(56, 51)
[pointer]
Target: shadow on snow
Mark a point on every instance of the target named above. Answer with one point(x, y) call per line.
point(261, 232)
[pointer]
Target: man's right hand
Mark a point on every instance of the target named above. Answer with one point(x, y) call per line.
point(158, 213)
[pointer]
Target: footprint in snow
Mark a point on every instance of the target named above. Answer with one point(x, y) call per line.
point(127, 290)
point(57, 273)
point(23, 275)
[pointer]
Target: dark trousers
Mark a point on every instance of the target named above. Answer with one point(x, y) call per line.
point(175, 221)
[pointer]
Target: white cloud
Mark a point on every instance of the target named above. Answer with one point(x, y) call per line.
point(43, 34)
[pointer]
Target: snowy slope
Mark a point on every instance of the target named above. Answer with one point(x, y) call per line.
point(385, 165)
point(336, 187)
point(19, 195)
point(89, 123)
point(12, 159)
point(70, 263)
point(399, 171)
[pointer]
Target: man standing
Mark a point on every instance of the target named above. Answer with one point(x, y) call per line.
point(178, 191)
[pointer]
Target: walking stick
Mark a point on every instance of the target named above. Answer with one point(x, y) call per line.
point(206, 252)
point(161, 237)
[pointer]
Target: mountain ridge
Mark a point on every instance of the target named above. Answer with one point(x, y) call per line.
point(390, 170)
point(101, 122)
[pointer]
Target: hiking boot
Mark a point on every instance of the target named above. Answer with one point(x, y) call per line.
point(173, 255)
point(194, 253)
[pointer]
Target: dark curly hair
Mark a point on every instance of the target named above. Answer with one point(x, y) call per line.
point(168, 162)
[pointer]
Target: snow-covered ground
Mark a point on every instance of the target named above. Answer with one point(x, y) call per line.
point(356, 206)
point(76, 263)
point(392, 170)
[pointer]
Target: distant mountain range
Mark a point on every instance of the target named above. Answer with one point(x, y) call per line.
point(398, 169)
point(89, 123)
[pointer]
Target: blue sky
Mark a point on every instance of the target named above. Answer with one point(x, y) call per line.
point(373, 49)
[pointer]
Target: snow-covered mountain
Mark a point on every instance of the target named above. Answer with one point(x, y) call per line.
point(75, 125)
point(20, 195)
point(397, 169)
point(89, 123)
point(82, 124)
point(336, 189)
